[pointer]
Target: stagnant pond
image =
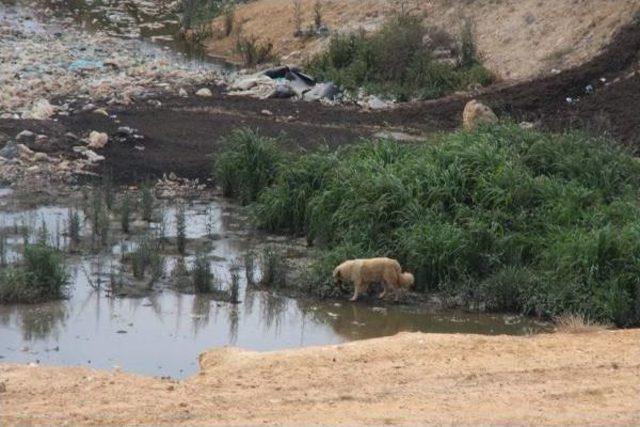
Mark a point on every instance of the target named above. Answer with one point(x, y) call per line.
point(162, 332)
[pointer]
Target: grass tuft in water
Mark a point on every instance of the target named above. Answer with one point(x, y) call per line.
point(181, 229)
point(125, 213)
point(201, 275)
point(147, 202)
point(274, 268)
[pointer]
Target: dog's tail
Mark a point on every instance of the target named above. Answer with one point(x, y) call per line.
point(406, 280)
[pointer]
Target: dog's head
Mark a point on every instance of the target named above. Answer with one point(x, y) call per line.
point(336, 275)
point(408, 280)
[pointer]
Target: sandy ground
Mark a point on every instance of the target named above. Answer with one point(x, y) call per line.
point(411, 378)
point(518, 39)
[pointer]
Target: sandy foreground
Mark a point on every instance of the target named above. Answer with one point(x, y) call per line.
point(410, 378)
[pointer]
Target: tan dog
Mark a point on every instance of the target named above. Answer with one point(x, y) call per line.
point(363, 272)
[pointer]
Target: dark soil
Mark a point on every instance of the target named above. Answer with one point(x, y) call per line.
point(182, 135)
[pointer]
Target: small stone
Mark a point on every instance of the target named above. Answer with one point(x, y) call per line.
point(42, 139)
point(266, 113)
point(3, 388)
point(101, 111)
point(97, 140)
point(183, 93)
point(204, 92)
point(40, 157)
point(25, 152)
point(25, 135)
point(92, 156)
point(79, 149)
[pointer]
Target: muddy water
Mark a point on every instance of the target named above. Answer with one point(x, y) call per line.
point(163, 332)
point(154, 21)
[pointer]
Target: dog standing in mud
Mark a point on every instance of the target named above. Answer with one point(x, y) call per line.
point(363, 272)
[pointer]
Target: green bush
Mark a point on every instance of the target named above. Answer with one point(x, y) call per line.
point(41, 276)
point(396, 61)
point(518, 219)
point(247, 165)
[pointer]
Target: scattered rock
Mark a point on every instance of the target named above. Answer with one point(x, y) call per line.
point(42, 139)
point(266, 113)
point(92, 156)
point(97, 140)
point(25, 136)
point(41, 110)
point(41, 157)
point(10, 150)
point(183, 93)
point(101, 111)
point(3, 387)
point(476, 113)
point(204, 92)
point(526, 125)
point(24, 151)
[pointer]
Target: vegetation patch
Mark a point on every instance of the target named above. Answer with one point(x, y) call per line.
point(398, 61)
point(519, 220)
point(40, 276)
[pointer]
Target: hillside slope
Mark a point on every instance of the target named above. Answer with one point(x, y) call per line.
point(518, 39)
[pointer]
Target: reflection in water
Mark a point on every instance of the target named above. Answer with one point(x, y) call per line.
point(36, 322)
point(163, 333)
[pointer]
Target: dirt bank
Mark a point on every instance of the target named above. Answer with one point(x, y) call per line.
point(518, 39)
point(410, 378)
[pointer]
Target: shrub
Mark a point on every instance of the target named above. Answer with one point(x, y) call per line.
point(520, 220)
point(73, 226)
point(247, 165)
point(40, 277)
point(253, 51)
point(397, 61)
point(145, 258)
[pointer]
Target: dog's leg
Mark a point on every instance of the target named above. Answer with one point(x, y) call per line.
point(384, 290)
point(356, 292)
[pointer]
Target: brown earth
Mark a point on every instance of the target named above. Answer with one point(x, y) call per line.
point(518, 39)
point(184, 134)
point(411, 378)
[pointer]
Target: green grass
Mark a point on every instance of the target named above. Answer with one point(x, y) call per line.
point(521, 220)
point(248, 164)
point(397, 62)
point(40, 276)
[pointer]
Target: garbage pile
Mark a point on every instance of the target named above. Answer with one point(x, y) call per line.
point(42, 62)
point(291, 82)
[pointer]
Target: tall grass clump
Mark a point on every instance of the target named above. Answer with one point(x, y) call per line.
point(520, 220)
point(147, 259)
point(40, 276)
point(147, 202)
point(181, 229)
point(247, 165)
point(274, 268)
point(234, 286)
point(397, 61)
point(201, 275)
point(125, 213)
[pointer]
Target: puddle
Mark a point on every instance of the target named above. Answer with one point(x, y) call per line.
point(162, 333)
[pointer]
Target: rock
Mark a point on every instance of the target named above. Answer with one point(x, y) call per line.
point(97, 140)
point(375, 103)
point(476, 113)
point(10, 150)
point(526, 125)
point(124, 131)
point(321, 91)
point(42, 139)
point(25, 136)
point(266, 113)
point(79, 148)
point(41, 110)
point(3, 388)
point(183, 93)
point(92, 156)
point(40, 157)
point(33, 169)
point(24, 151)
point(204, 92)
point(101, 111)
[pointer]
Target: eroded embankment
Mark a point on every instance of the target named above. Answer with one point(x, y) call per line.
point(562, 379)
